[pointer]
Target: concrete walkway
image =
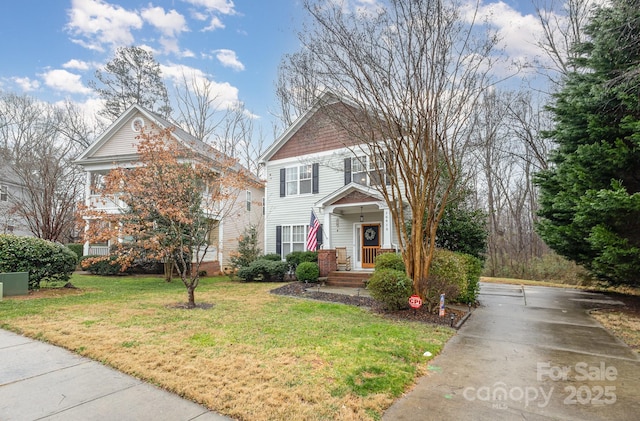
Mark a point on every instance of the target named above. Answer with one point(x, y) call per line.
point(529, 353)
point(39, 381)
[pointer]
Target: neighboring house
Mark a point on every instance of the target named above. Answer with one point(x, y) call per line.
point(116, 147)
point(310, 168)
point(11, 189)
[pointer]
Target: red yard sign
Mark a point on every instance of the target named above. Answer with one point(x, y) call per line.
point(415, 301)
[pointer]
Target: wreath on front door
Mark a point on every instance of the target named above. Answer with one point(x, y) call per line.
point(369, 234)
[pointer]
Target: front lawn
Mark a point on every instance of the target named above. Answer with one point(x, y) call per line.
point(252, 355)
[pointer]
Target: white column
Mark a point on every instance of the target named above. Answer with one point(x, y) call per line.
point(326, 230)
point(387, 226)
point(87, 202)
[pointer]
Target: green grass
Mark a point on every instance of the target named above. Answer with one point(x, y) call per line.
point(310, 359)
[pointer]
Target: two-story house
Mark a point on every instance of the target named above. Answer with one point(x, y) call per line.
point(11, 190)
point(315, 166)
point(117, 147)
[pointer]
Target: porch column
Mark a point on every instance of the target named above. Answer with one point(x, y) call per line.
point(386, 229)
point(326, 230)
point(87, 202)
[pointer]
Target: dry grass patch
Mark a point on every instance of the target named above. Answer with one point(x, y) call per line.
point(251, 355)
point(624, 325)
point(513, 281)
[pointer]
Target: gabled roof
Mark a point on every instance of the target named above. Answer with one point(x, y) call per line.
point(349, 194)
point(178, 134)
point(326, 98)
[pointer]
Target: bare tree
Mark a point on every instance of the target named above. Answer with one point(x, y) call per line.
point(76, 126)
point(409, 74)
point(297, 87)
point(199, 107)
point(229, 128)
point(40, 156)
point(562, 25)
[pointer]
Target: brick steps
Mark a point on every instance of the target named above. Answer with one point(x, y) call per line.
point(351, 279)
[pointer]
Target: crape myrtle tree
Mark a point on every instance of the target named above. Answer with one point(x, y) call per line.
point(590, 200)
point(133, 76)
point(174, 197)
point(408, 74)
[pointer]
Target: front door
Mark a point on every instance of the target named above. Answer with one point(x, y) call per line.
point(370, 244)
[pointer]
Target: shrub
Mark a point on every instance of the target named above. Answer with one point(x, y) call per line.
point(390, 261)
point(44, 260)
point(101, 265)
point(473, 268)
point(297, 257)
point(263, 270)
point(78, 249)
point(146, 267)
point(307, 272)
point(447, 275)
point(390, 287)
point(275, 257)
point(248, 250)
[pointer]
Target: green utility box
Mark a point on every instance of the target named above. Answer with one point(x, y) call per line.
point(14, 283)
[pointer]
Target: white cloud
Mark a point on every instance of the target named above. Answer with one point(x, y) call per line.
point(171, 24)
point(212, 9)
point(225, 7)
point(78, 64)
point(97, 23)
point(228, 58)
point(62, 80)
point(515, 30)
point(225, 94)
point(215, 23)
point(26, 84)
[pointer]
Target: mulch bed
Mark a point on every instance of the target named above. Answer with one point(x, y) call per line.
point(300, 289)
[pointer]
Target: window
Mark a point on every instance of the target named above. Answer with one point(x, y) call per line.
point(362, 170)
point(248, 201)
point(97, 183)
point(293, 238)
point(292, 181)
point(359, 171)
point(302, 179)
point(4, 193)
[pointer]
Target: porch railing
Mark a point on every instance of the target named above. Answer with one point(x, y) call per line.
point(369, 254)
point(98, 250)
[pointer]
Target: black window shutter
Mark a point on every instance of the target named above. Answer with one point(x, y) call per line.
point(319, 235)
point(347, 171)
point(283, 175)
point(315, 178)
point(279, 239)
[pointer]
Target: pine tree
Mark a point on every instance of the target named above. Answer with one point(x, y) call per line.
point(133, 76)
point(590, 197)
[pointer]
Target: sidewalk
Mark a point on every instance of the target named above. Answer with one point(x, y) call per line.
point(39, 381)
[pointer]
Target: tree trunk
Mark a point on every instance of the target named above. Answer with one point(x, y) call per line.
point(191, 293)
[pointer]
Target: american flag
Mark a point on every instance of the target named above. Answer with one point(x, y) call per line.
point(312, 235)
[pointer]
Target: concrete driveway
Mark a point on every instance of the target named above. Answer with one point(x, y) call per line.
point(529, 353)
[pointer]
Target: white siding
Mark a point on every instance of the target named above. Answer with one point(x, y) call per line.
point(296, 209)
point(123, 142)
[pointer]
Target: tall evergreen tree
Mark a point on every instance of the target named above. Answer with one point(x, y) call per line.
point(133, 76)
point(590, 197)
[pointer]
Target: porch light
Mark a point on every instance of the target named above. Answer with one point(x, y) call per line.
point(361, 215)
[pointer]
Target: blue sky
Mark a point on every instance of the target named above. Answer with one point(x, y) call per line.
point(50, 49)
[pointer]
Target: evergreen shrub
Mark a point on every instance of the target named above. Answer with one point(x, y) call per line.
point(44, 260)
